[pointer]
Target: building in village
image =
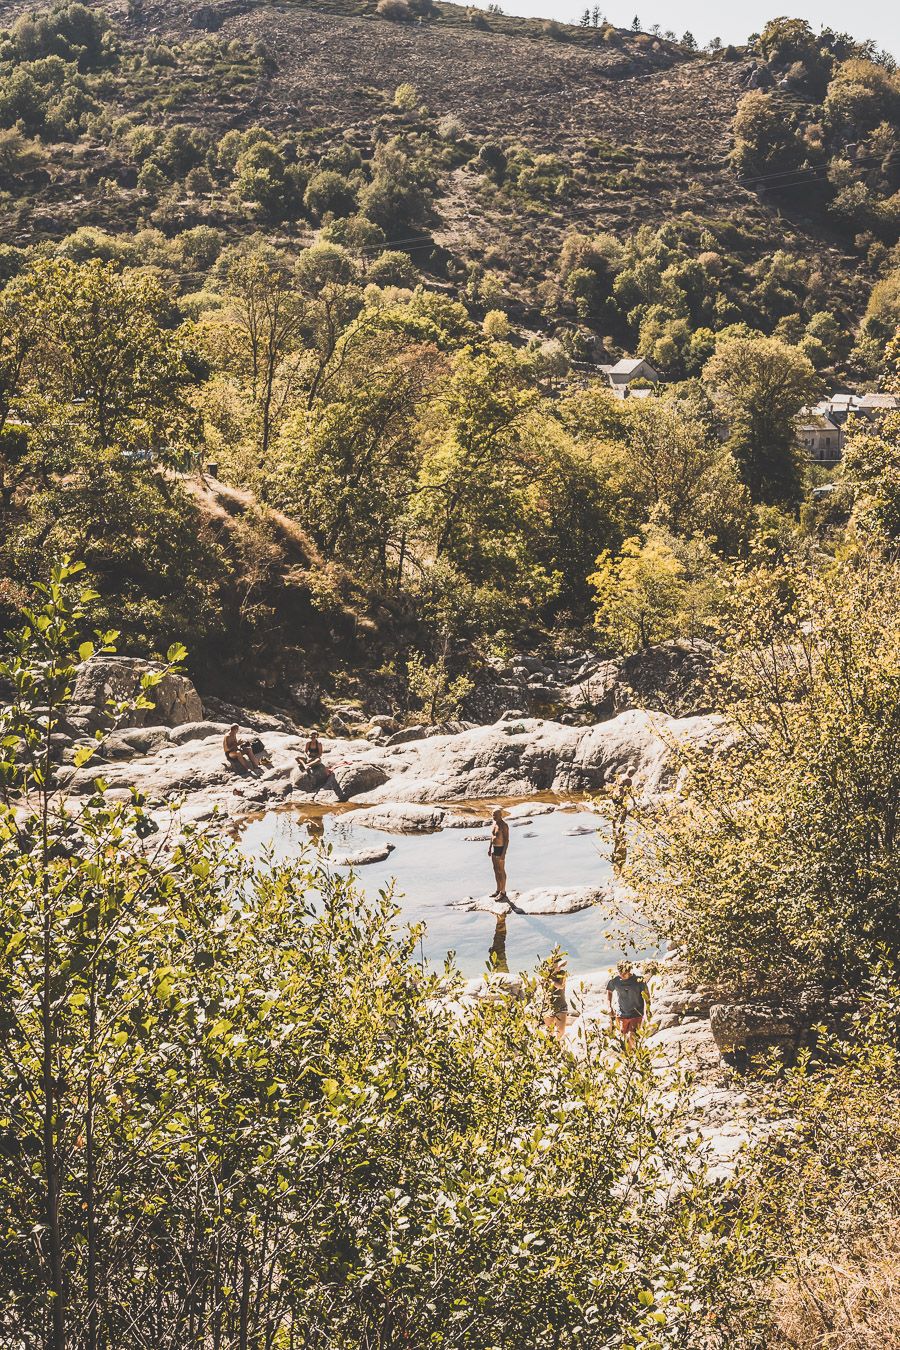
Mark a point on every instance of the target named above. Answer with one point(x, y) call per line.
point(628, 372)
point(822, 429)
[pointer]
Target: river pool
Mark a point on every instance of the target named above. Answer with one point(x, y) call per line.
point(431, 870)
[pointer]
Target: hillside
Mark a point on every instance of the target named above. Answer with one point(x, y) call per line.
point(636, 132)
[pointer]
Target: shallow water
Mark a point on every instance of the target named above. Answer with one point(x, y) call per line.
point(430, 870)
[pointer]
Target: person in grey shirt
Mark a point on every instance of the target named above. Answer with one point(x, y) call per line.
point(628, 999)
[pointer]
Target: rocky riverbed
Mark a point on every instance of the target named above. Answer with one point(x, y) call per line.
point(407, 781)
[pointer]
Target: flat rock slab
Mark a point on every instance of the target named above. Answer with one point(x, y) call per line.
point(569, 900)
point(463, 822)
point(400, 817)
point(583, 829)
point(361, 857)
point(529, 809)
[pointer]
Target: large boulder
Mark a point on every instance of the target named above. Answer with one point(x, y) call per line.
point(670, 677)
point(359, 776)
point(105, 680)
point(757, 1027)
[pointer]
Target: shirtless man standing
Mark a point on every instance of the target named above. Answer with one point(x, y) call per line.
point(497, 850)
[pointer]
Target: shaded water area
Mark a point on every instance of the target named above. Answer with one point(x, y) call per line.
point(431, 870)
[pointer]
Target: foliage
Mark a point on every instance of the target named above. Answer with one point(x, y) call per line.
point(834, 1192)
point(760, 384)
point(779, 869)
point(656, 589)
point(431, 685)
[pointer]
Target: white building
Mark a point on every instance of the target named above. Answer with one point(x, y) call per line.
point(822, 429)
point(627, 372)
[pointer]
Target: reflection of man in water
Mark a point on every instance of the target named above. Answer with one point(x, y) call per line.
point(497, 954)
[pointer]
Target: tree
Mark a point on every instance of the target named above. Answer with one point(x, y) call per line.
point(665, 464)
point(656, 589)
point(329, 193)
point(431, 686)
point(105, 373)
point(398, 192)
point(760, 385)
point(346, 465)
point(258, 336)
point(766, 147)
point(778, 869)
point(689, 41)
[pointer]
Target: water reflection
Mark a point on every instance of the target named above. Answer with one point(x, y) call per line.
point(497, 953)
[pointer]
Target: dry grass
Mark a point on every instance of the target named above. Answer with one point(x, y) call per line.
point(848, 1300)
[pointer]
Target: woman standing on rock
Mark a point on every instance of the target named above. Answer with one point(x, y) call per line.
point(497, 851)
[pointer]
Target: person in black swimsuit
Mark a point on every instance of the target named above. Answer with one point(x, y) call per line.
point(497, 850)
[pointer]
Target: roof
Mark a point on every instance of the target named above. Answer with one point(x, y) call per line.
point(817, 422)
point(628, 365)
point(886, 401)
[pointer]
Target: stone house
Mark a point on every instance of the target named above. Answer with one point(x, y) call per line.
point(629, 371)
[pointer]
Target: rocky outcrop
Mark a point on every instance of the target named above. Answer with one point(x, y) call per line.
point(509, 759)
point(670, 677)
point(103, 681)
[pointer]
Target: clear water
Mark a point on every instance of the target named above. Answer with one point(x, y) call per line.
point(430, 870)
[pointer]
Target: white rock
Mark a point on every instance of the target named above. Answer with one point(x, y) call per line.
point(568, 900)
point(361, 857)
point(399, 817)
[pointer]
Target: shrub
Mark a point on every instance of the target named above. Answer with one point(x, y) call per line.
point(406, 97)
point(329, 193)
point(492, 160)
point(396, 10)
point(392, 268)
point(777, 871)
point(496, 324)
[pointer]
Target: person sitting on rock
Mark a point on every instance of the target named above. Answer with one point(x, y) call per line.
point(321, 775)
point(628, 999)
point(239, 752)
point(497, 851)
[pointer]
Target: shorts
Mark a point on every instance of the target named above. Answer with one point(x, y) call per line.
point(627, 1024)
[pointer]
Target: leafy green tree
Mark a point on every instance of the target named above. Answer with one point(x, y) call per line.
point(656, 589)
point(765, 144)
point(760, 385)
point(399, 191)
point(257, 337)
point(664, 463)
point(329, 193)
point(105, 373)
point(347, 465)
point(778, 870)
